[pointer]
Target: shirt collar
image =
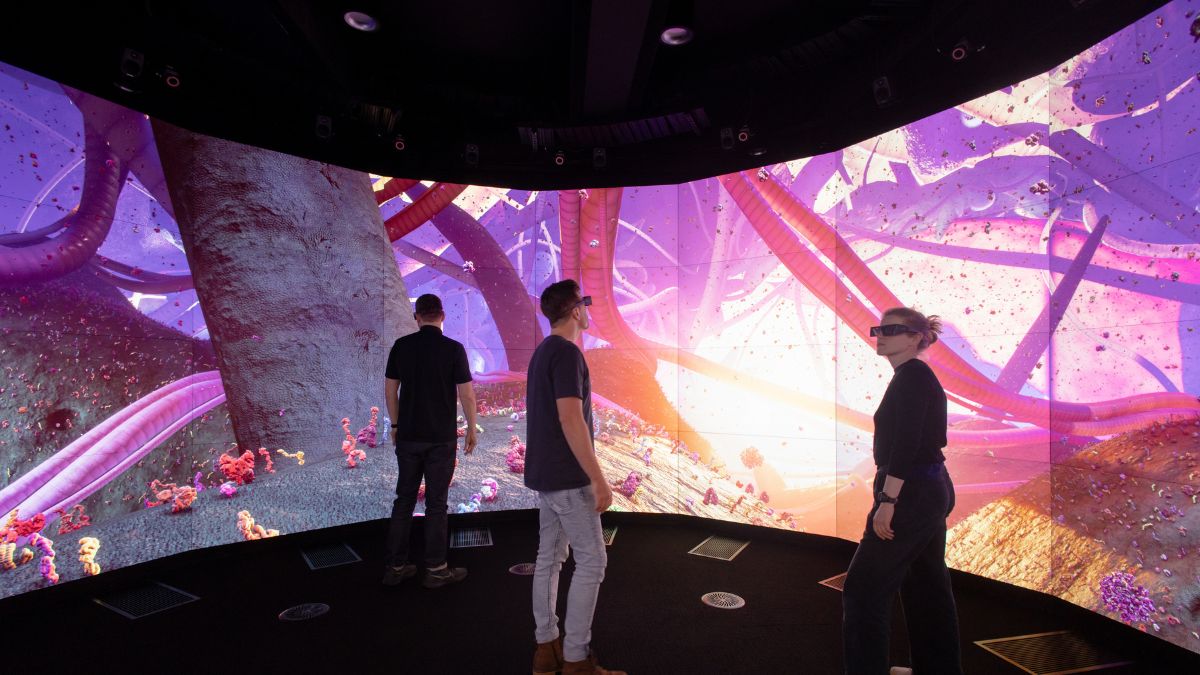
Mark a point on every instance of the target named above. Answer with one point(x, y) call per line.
point(429, 327)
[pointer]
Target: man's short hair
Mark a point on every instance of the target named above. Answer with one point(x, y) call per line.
point(559, 299)
point(429, 306)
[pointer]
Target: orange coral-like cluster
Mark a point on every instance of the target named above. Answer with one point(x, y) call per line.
point(252, 530)
point(88, 546)
point(14, 528)
point(237, 469)
point(72, 520)
point(349, 446)
point(298, 455)
point(267, 456)
point(181, 498)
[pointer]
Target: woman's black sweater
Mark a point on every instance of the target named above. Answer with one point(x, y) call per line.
point(910, 423)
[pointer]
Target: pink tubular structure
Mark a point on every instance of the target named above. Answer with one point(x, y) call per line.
point(761, 208)
point(598, 220)
point(91, 461)
point(421, 210)
point(104, 175)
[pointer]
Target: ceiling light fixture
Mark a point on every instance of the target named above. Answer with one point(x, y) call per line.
point(676, 36)
point(361, 21)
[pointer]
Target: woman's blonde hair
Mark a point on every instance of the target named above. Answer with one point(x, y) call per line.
point(927, 326)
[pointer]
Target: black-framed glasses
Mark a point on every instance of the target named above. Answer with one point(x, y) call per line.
point(892, 329)
point(586, 301)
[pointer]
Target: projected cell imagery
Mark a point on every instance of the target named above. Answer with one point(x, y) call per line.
point(194, 332)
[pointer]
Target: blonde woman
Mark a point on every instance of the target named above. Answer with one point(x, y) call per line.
point(904, 546)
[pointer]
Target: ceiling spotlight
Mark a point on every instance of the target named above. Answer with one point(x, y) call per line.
point(560, 158)
point(743, 134)
point(399, 143)
point(676, 36)
point(171, 78)
point(361, 21)
point(758, 152)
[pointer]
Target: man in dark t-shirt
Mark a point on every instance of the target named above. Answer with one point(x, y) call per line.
point(560, 463)
point(426, 371)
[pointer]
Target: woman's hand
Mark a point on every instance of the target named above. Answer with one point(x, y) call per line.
point(882, 522)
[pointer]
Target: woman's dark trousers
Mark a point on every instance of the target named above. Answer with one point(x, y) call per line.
point(913, 563)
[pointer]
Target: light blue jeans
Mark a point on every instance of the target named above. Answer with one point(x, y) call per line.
point(568, 518)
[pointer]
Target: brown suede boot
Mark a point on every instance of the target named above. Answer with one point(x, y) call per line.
point(588, 666)
point(548, 657)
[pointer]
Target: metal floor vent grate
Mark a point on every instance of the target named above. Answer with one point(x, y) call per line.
point(1055, 653)
point(721, 548)
point(329, 555)
point(837, 583)
point(523, 569)
point(610, 535)
point(723, 600)
point(135, 603)
point(474, 536)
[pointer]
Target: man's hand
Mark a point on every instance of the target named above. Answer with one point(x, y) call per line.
point(471, 440)
point(603, 495)
point(882, 522)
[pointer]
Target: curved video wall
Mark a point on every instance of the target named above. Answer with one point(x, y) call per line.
point(194, 332)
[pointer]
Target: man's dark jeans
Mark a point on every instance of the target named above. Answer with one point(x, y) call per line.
point(434, 461)
point(914, 563)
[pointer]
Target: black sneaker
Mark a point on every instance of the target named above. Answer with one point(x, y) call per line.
point(394, 575)
point(446, 575)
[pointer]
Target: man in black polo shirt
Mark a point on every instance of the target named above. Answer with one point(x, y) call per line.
point(560, 463)
point(429, 370)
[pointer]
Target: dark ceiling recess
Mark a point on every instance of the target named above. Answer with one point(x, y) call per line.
point(533, 93)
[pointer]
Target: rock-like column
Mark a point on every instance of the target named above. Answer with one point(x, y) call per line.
point(298, 285)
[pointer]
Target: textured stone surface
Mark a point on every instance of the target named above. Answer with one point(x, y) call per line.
point(298, 284)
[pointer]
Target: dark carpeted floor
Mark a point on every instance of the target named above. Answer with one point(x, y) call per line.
point(649, 618)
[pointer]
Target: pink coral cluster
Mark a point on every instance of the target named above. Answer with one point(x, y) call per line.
point(489, 490)
point(46, 565)
point(630, 485)
point(368, 434)
point(515, 458)
point(349, 446)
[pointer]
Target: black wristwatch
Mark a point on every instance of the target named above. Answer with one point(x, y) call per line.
point(882, 497)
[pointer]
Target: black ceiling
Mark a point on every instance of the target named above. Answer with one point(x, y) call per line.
point(488, 92)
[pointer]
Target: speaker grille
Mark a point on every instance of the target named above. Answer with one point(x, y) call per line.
point(1053, 653)
point(330, 555)
point(468, 538)
point(721, 548)
point(610, 534)
point(135, 603)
